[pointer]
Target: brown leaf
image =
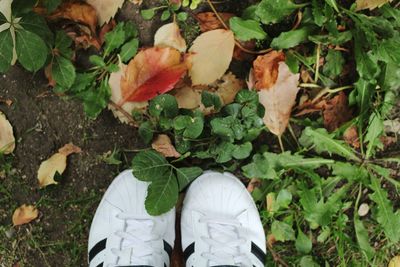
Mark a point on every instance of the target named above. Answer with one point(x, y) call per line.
point(370, 4)
point(55, 164)
point(350, 136)
point(253, 184)
point(228, 87)
point(6, 101)
point(336, 112)
point(105, 29)
point(106, 9)
point(187, 97)
point(164, 145)
point(7, 139)
point(394, 262)
point(79, 12)
point(24, 214)
point(279, 99)
point(208, 20)
point(265, 69)
point(170, 35)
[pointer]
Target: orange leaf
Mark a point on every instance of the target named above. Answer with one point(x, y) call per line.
point(153, 71)
point(164, 145)
point(266, 69)
point(350, 136)
point(79, 12)
point(24, 214)
point(336, 112)
point(208, 20)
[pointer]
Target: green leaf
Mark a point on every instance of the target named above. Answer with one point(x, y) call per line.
point(334, 63)
point(149, 165)
point(191, 127)
point(340, 38)
point(165, 105)
point(291, 38)
point(130, 29)
point(146, 131)
point(282, 231)
point(242, 151)
point(374, 132)
point(273, 11)
point(303, 243)
point(187, 175)
point(385, 216)
point(210, 100)
point(165, 15)
point(31, 50)
point(246, 30)
point(21, 7)
point(96, 99)
point(114, 39)
point(307, 261)
point(322, 141)
point(82, 82)
point(148, 14)
point(97, 61)
point(246, 96)
point(350, 172)
point(51, 5)
point(129, 50)
point(35, 23)
point(6, 50)
point(292, 62)
point(182, 16)
point(63, 71)
point(162, 193)
point(63, 44)
point(362, 239)
point(284, 198)
point(333, 4)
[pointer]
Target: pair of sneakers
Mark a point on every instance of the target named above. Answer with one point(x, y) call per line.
point(220, 226)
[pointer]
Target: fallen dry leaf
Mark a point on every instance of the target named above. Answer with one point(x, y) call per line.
point(137, 2)
point(270, 199)
point(228, 87)
point(24, 214)
point(116, 97)
point(79, 12)
point(170, 35)
point(336, 112)
point(106, 9)
point(151, 72)
point(55, 164)
point(265, 69)
point(208, 20)
point(211, 55)
point(6, 101)
point(271, 240)
point(394, 262)
point(253, 184)
point(187, 97)
point(350, 136)
point(164, 145)
point(370, 4)
point(279, 99)
point(7, 139)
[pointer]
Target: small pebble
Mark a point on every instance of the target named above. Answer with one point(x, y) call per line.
point(363, 209)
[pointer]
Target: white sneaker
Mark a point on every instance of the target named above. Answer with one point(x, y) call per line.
point(220, 224)
point(124, 234)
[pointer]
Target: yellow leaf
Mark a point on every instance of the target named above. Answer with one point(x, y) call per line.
point(279, 99)
point(395, 262)
point(187, 97)
point(370, 4)
point(106, 9)
point(24, 214)
point(170, 35)
point(56, 163)
point(211, 55)
point(7, 139)
point(164, 145)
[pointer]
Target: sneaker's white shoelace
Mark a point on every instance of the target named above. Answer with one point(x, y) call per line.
point(137, 240)
point(224, 242)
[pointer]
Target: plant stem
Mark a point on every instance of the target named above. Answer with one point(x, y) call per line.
point(316, 77)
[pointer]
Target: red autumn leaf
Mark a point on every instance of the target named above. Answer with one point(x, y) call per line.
point(266, 69)
point(153, 71)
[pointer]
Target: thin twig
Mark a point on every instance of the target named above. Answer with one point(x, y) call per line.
point(238, 44)
point(299, 17)
point(131, 121)
point(276, 256)
point(316, 77)
point(293, 134)
point(280, 143)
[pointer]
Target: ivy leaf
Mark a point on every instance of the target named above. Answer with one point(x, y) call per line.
point(303, 243)
point(191, 127)
point(334, 63)
point(385, 216)
point(6, 50)
point(246, 30)
point(210, 100)
point(362, 238)
point(165, 105)
point(282, 231)
point(273, 11)
point(146, 131)
point(322, 141)
point(162, 193)
point(63, 71)
point(187, 175)
point(291, 38)
point(242, 151)
point(31, 50)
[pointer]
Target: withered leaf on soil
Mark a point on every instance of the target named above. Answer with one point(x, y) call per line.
point(79, 12)
point(55, 164)
point(7, 139)
point(278, 88)
point(24, 214)
point(151, 72)
point(211, 54)
point(370, 4)
point(350, 136)
point(164, 145)
point(394, 262)
point(106, 9)
point(170, 35)
point(116, 97)
point(208, 20)
point(336, 112)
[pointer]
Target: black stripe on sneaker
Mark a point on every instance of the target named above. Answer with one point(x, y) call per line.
point(99, 247)
point(168, 249)
point(258, 252)
point(188, 251)
point(100, 265)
